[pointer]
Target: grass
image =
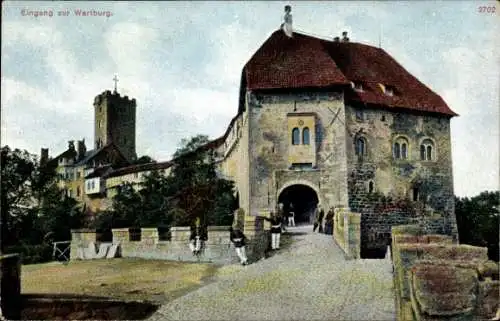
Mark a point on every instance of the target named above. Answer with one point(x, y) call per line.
point(121, 278)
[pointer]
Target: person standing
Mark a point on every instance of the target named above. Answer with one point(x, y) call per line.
point(291, 216)
point(239, 240)
point(197, 238)
point(275, 221)
point(329, 221)
point(320, 213)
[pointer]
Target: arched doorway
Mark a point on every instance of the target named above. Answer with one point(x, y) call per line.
point(304, 200)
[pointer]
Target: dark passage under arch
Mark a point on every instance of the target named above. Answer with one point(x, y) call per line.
point(304, 200)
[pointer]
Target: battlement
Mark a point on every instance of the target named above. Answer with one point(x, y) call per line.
point(115, 97)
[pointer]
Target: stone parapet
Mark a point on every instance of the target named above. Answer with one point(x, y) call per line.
point(435, 279)
point(347, 232)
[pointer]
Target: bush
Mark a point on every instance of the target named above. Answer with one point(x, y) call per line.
point(32, 254)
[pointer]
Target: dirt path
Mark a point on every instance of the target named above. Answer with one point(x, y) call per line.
point(310, 280)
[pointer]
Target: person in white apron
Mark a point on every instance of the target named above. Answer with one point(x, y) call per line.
point(239, 240)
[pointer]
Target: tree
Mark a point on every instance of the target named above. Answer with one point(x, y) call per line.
point(17, 168)
point(478, 221)
point(32, 201)
point(195, 189)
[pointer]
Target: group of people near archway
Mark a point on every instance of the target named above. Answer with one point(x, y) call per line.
point(277, 219)
point(326, 226)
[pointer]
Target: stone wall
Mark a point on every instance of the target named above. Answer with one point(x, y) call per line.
point(347, 232)
point(218, 248)
point(10, 290)
point(397, 178)
point(435, 279)
point(81, 238)
point(270, 143)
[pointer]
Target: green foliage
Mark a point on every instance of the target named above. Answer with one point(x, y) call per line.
point(34, 211)
point(192, 190)
point(478, 221)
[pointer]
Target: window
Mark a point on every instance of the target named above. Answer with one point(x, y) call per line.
point(370, 187)
point(136, 175)
point(88, 185)
point(383, 118)
point(359, 115)
point(295, 136)
point(301, 166)
point(99, 123)
point(360, 146)
point(397, 153)
point(93, 184)
point(78, 191)
point(400, 148)
point(426, 150)
point(357, 86)
point(78, 174)
point(415, 194)
point(305, 136)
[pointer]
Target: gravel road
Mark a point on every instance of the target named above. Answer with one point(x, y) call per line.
point(310, 280)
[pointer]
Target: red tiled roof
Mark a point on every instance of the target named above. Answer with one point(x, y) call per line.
point(140, 168)
point(305, 61)
point(297, 62)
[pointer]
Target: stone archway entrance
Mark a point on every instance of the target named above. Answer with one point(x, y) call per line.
point(304, 200)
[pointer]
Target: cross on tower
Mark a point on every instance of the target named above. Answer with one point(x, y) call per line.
point(115, 79)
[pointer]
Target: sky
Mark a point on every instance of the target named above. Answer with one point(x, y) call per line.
point(182, 62)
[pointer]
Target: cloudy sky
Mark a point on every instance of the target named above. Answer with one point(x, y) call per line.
point(182, 62)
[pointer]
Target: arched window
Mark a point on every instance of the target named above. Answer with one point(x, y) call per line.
point(295, 136)
point(370, 187)
point(397, 154)
point(426, 150)
point(360, 146)
point(400, 148)
point(404, 153)
point(305, 136)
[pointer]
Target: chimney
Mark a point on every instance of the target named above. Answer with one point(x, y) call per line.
point(44, 156)
point(287, 23)
point(336, 39)
point(344, 37)
point(81, 149)
point(71, 144)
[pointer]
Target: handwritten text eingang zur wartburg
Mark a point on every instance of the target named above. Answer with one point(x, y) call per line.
point(65, 13)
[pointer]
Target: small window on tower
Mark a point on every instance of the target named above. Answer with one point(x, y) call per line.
point(359, 115)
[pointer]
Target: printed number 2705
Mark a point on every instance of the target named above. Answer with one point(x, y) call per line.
point(485, 9)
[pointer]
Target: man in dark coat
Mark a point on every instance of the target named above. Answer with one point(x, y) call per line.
point(239, 240)
point(329, 221)
point(320, 213)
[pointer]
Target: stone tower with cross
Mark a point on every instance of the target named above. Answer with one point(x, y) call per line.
point(115, 119)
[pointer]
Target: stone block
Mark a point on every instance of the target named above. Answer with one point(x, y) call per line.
point(488, 300)
point(488, 270)
point(443, 288)
point(453, 252)
point(407, 229)
point(120, 235)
